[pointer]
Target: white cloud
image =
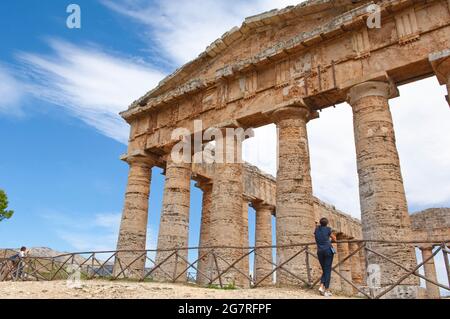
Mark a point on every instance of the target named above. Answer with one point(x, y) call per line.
point(93, 85)
point(421, 117)
point(11, 92)
point(99, 234)
point(261, 149)
point(183, 29)
point(333, 159)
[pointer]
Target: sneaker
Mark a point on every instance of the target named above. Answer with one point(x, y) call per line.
point(322, 291)
point(328, 294)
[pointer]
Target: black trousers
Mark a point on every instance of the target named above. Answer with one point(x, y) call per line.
point(326, 262)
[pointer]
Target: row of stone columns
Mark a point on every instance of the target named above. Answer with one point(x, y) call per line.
point(383, 202)
point(384, 207)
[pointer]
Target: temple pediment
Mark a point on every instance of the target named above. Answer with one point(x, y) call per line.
point(260, 37)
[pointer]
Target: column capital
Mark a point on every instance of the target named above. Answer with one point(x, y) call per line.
point(387, 90)
point(258, 205)
point(141, 157)
point(294, 109)
point(204, 185)
point(440, 61)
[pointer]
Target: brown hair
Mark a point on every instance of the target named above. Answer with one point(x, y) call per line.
point(324, 222)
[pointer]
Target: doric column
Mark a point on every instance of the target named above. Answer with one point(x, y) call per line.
point(174, 225)
point(226, 214)
point(245, 243)
point(205, 234)
point(345, 269)
point(384, 210)
point(295, 214)
point(357, 271)
point(263, 238)
point(133, 227)
point(430, 272)
point(440, 62)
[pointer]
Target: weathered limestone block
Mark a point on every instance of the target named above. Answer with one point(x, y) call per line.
point(430, 272)
point(174, 226)
point(226, 215)
point(383, 202)
point(133, 227)
point(263, 238)
point(295, 212)
point(345, 269)
point(203, 277)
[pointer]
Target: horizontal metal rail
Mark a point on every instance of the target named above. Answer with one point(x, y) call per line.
point(176, 267)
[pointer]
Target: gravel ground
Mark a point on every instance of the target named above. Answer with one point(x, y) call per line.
point(126, 290)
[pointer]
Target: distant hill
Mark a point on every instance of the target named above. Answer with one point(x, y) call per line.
point(44, 252)
point(41, 252)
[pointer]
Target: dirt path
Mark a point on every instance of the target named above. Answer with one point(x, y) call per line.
point(126, 290)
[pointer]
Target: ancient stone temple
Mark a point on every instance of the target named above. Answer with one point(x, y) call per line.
point(284, 67)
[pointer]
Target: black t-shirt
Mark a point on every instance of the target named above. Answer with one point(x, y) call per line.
point(322, 235)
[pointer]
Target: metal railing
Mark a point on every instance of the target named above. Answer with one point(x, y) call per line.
point(112, 265)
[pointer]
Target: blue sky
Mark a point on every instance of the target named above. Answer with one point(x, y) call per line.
point(61, 90)
point(62, 137)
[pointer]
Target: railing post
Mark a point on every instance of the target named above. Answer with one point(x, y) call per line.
point(308, 269)
point(218, 271)
point(93, 263)
point(175, 267)
point(446, 259)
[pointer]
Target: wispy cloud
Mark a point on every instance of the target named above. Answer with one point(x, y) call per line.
point(183, 29)
point(11, 92)
point(99, 234)
point(92, 84)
